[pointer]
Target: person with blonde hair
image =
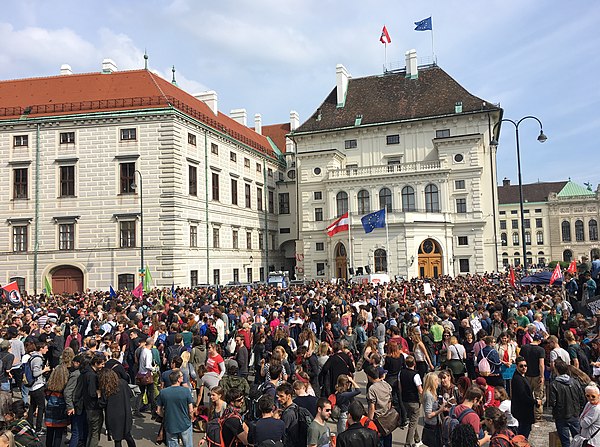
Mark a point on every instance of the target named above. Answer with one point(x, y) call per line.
point(7, 439)
point(189, 373)
point(432, 410)
point(57, 419)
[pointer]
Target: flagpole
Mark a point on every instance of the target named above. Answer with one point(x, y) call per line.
point(432, 48)
point(385, 57)
point(349, 239)
point(387, 243)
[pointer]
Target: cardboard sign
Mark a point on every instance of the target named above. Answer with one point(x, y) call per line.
point(476, 325)
point(427, 288)
point(594, 306)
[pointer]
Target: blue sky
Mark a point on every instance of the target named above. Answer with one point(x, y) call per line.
point(536, 57)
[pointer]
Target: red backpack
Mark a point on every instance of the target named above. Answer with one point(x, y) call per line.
point(515, 441)
point(214, 430)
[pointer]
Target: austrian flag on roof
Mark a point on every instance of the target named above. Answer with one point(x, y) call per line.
point(340, 224)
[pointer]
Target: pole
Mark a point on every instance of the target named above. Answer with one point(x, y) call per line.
point(142, 267)
point(432, 48)
point(387, 244)
point(524, 244)
point(36, 245)
point(385, 55)
point(351, 263)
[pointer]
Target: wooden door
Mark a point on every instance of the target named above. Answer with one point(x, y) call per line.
point(430, 259)
point(67, 280)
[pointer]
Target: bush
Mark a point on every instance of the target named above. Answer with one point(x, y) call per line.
point(563, 265)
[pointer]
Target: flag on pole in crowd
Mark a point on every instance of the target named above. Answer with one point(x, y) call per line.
point(113, 294)
point(572, 267)
point(424, 25)
point(138, 292)
point(556, 274)
point(147, 280)
point(47, 286)
point(11, 291)
point(511, 276)
point(340, 224)
point(385, 36)
point(173, 294)
point(219, 294)
point(373, 220)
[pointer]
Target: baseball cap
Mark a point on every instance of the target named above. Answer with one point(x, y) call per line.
point(382, 372)
point(538, 337)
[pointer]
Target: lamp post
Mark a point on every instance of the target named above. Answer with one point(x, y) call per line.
point(542, 139)
point(142, 268)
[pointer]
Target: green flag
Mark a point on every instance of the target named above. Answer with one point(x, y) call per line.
point(47, 286)
point(147, 280)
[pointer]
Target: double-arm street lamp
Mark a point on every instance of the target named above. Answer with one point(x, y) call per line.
point(541, 138)
point(134, 186)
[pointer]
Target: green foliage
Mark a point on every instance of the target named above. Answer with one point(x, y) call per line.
point(563, 265)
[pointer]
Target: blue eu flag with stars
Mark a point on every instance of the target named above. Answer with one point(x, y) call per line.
point(424, 25)
point(373, 220)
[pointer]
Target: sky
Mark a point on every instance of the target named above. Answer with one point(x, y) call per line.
point(533, 57)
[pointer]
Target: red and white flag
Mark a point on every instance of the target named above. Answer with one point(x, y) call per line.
point(556, 274)
point(138, 292)
point(385, 36)
point(340, 224)
point(511, 277)
point(572, 267)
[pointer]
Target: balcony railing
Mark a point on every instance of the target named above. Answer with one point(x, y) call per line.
point(383, 170)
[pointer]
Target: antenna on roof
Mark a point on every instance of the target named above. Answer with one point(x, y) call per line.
point(145, 59)
point(173, 81)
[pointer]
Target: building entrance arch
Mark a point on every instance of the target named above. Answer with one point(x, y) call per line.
point(430, 259)
point(67, 279)
point(341, 261)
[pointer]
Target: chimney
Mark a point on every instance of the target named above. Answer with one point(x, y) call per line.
point(239, 115)
point(458, 107)
point(341, 76)
point(412, 71)
point(258, 123)
point(506, 182)
point(65, 69)
point(210, 99)
point(108, 66)
point(294, 120)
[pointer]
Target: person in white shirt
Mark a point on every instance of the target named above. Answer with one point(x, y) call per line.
point(557, 352)
point(146, 365)
point(505, 407)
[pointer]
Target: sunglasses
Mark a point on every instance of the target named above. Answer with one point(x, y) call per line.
point(522, 366)
point(327, 410)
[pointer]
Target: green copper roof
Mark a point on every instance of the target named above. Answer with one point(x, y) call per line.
point(573, 189)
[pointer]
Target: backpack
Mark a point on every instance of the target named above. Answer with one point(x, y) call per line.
point(451, 422)
point(335, 410)
point(256, 392)
point(485, 369)
point(214, 431)
point(28, 378)
point(516, 441)
point(582, 358)
point(161, 339)
point(174, 351)
point(78, 395)
point(304, 418)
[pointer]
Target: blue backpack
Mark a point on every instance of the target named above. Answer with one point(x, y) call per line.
point(28, 378)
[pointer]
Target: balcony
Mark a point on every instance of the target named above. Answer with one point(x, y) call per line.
point(384, 170)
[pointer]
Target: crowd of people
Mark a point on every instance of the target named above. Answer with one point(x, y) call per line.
point(473, 357)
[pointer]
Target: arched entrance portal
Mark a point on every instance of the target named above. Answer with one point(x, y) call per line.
point(67, 279)
point(430, 259)
point(341, 261)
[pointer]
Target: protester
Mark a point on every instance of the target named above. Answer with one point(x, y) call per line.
point(318, 431)
point(589, 420)
point(267, 428)
point(90, 397)
point(37, 396)
point(357, 435)
point(523, 399)
point(57, 419)
point(115, 395)
point(176, 406)
point(567, 400)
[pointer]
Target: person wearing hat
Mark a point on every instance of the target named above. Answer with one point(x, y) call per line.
point(534, 356)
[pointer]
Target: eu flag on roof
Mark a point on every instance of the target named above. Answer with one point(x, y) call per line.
point(424, 25)
point(373, 220)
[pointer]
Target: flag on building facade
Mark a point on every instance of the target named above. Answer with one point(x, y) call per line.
point(373, 220)
point(138, 292)
point(112, 292)
point(147, 280)
point(572, 267)
point(556, 274)
point(511, 276)
point(385, 36)
point(424, 25)
point(11, 291)
point(47, 286)
point(340, 224)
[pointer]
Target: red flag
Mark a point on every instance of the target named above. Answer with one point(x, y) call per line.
point(385, 36)
point(556, 274)
point(511, 277)
point(572, 267)
point(138, 292)
point(340, 224)
point(12, 293)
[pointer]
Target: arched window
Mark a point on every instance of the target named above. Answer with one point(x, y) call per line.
point(579, 234)
point(540, 237)
point(432, 199)
point(380, 260)
point(593, 229)
point(341, 200)
point(567, 255)
point(385, 199)
point(408, 198)
point(515, 237)
point(364, 206)
point(566, 231)
point(504, 239)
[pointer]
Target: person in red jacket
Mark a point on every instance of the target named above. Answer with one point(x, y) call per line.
point(488, 393)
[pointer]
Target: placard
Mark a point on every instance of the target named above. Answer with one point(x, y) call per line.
point(594, 305)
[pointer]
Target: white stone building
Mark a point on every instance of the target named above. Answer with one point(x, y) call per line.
point(414, 142)
point(73, 148)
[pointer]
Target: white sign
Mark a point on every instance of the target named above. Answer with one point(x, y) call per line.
point(427, 288)
point(476, 326)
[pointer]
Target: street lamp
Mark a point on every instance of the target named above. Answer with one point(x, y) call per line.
point(542, 139)
point(134, 186)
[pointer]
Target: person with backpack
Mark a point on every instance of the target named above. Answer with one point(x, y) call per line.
point(318, 432)
point(579, 358)
point(488, 362)
point(35, 373)
point(357, 434)
point(89, 395)
point(175, 349)
point(496, 423)
point(74, 402)
point(567, 400)
point(176, 406)
point(234, 432)
point(297, 419)
point(464, 414)
point(268, 431)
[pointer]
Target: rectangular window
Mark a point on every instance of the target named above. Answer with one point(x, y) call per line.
point(320, 246)
point(318, 195)
point(20, 238)
point(538, 222)
point(513, 211)
point(127, 173)
point(271, 202)
point(527, 223)
point(214, 148)
point(261, 242)
point(233, 156)
point(246, 162)
point(502, 213)
point(515, 239)
point(127, 231)
point(320, 269)
point(540, 238)
point(125, 281)
point(193, 236)
point(67, 181)
point(442, 133)
point(21, 141)
point(234, 192)
point(215, 186)
point(248, 196)
point(249, 274)
point(463, 265)
point(128, 134)
point(216, 242)
point(193, 180)
point(249, 240)
point(514, 224)
point(459, 184)
point(393, 139)
point(235, 239)
point(193, 278)
point(67, 137)
point(273, 242)
point(236, 275)
point(269, 172)
point(66, 236)
point(284, 203)
point(258, 167)
point(350, 144)
point(503, 225)
point(191, 139)
point(261, 274)
point(259, 199)
point(216, 276)
point(461, 206)
point(284, 231)
point(463, 240)
point(538, 210)
point(319, 214)
point(20, 187)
